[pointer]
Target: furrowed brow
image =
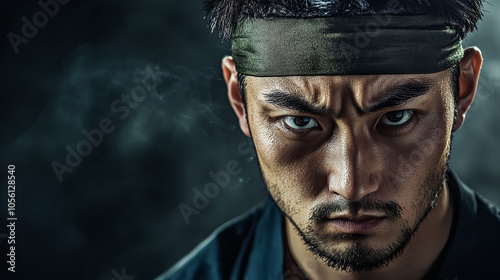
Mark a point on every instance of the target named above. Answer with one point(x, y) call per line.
point(399, 95)
point(293, 102)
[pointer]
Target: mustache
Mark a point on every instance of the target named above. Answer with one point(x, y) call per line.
point(323, 211)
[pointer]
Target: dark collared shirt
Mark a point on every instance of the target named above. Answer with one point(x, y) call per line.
point(250, 247)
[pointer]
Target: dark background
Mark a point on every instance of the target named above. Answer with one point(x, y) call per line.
point(119, 207)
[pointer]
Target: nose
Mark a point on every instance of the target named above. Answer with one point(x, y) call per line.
point(353, 165)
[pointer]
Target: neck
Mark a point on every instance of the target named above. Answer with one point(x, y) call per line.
point(415, 263)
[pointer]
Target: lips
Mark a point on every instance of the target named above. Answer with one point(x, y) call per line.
point(356, 225)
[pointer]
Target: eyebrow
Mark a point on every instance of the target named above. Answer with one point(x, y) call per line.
point(399, 95)
point(293, 102)
point(395, 96)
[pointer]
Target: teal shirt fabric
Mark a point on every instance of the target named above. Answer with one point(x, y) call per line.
point(250, 247)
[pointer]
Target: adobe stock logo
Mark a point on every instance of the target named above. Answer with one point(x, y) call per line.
point(122, 106)
point(38, 20)
point(220, 180)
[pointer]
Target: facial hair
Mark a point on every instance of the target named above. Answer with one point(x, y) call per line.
point(358, 257)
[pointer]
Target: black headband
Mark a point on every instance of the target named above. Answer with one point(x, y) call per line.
point(359, 45)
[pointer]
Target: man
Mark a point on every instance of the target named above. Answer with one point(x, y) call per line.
point(352, 106)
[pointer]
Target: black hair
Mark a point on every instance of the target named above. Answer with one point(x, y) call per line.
point(455, 87)
point(225, 14)
point(241, 84)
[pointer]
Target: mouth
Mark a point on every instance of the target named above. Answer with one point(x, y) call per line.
point(356, 224)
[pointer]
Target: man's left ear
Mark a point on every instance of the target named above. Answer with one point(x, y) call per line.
point(470, 66)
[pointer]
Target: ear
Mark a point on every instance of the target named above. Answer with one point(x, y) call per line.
point(470, 66)
point(234, 93)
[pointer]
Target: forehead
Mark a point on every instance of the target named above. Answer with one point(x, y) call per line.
point(334, 89)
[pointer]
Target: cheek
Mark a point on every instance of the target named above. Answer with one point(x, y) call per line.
point(281, 162)
point(278, 156)
point(411, 158)
point(290, 173)
point(412, 166)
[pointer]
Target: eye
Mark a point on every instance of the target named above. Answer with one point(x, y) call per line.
point(300, 122)
point(396, 117)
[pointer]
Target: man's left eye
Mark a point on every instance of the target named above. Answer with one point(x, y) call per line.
point(300, 122)
point(396, 117)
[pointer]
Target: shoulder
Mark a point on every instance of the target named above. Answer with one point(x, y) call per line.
point(484, 230)
point(474, 243)
point(215, 257)
point(489, 210)
point(475, 210)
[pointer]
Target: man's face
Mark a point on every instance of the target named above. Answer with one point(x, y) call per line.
point(354, 162)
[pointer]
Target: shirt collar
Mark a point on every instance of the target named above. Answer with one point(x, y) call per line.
point(266, 258)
